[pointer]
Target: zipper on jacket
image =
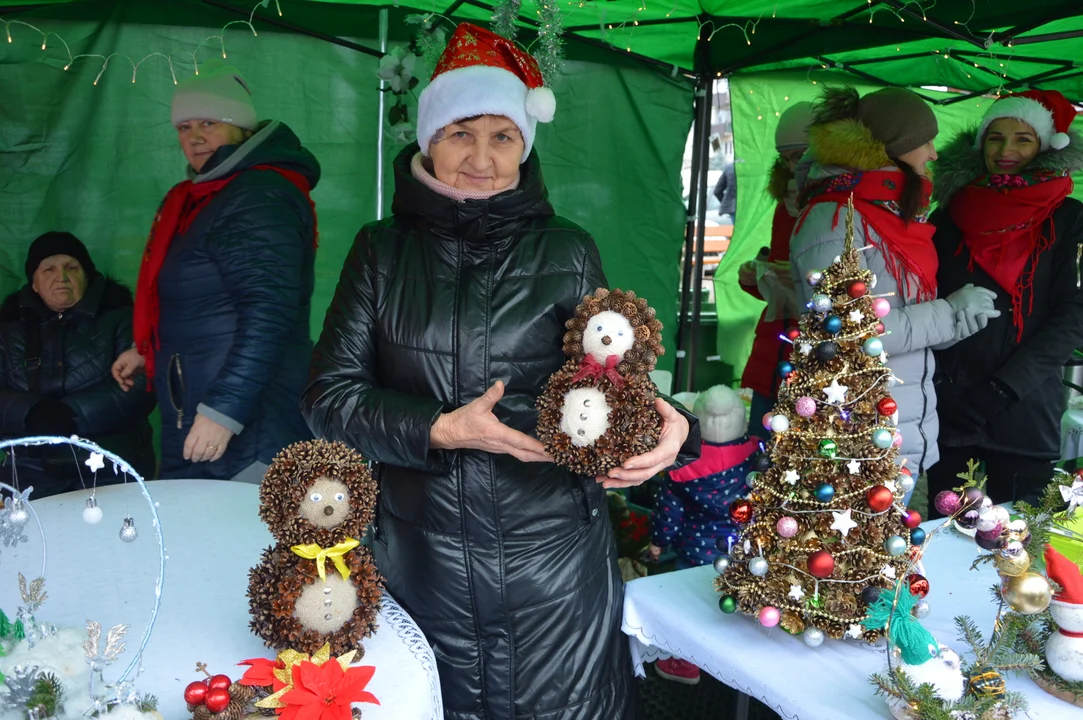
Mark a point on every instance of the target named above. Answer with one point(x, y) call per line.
point(1078, 258)
point(924, 412)
point(178, 408)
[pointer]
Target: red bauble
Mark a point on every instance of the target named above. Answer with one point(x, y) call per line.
point(793, 333)
point(906, 471)
point(219, 681)
point(857, 289)
point(879, 498)
point(919, 586)
point(887, 406)
point(821, 564)
point(911, 519)
point(880, 329)
point(217, 700)
point(196, 692)
point(741, 511)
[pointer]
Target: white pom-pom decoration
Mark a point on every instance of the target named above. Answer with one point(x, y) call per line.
point(585, 417)
point(541, 104)
point(1059, 141)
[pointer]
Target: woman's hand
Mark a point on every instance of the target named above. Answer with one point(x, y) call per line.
point(746, 274)
point(206, 441)
point(126, 366)
point(475, 427)
point(641, 468)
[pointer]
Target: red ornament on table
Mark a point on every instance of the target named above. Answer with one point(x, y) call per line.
point(821, 564)
point(218, 699)
point(857, 289)
point(196, 692)
point(741, 511)
point(911, 519)
point(887, 406)
point(219, 681)
point(879, 498)
point(919, 586)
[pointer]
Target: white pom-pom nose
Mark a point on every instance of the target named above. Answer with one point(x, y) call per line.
point(541, 104)
point(1059, 141)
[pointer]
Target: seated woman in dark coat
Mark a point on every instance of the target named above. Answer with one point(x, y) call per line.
point(59, 336)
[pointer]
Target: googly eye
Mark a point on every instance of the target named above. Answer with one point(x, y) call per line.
point(339, 497)
point(315, 497)
point(599, 328)
point(620, 333)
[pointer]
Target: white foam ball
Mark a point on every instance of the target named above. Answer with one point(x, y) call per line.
point(585, 416)
point(608, 333)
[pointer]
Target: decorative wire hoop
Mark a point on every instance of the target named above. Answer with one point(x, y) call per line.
point(120, 464)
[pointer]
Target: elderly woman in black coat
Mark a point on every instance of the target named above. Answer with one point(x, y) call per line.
point(59, 336)
point(446, 323)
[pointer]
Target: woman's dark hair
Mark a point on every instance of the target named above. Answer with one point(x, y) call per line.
point(911, 201)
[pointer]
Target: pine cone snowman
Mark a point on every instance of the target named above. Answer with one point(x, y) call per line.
point(317, 585)
point(598, 409)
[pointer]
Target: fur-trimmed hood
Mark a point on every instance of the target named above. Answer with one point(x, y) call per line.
point(846, 144)
point(959, 163)
point(778, 181)
point(102, 294)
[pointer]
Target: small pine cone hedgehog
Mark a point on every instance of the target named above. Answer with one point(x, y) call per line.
point(598, 409)
point(316, 585)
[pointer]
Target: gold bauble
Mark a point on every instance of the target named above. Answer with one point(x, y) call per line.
point(1028, 594)
point(1013, 566)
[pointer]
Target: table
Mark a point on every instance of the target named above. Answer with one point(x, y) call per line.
point(213, 535)
point(677, 615)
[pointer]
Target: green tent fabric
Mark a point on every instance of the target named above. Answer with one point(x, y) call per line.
point(96, 159)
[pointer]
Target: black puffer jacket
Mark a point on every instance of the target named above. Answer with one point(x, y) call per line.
point(235, 293)
point(77, 349)
point(509, 568)
point(1026, 420)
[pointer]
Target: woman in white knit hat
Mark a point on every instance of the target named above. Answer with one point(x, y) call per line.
point(447, 322)
point(1006, 223)
point(222, 306)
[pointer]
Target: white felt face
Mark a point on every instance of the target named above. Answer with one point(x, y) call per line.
point(585, 417)
point(326, 605)
point(326, 503)
point(608, 333)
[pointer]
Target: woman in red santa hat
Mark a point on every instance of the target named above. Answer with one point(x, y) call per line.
point(448, 320)
point(1006, 223)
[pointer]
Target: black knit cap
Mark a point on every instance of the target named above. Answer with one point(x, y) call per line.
point(57, 243)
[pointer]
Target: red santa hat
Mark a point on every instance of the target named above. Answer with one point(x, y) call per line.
point(1065, 573)
point(481, 73)
point(1047, 111)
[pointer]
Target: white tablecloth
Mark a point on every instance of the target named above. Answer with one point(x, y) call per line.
point(213, 535)
point(676, 614)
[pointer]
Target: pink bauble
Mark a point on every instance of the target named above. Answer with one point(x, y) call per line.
point(881, 307)
point(805, 406)
point(897, 442)
point(786, 526)
point(769, 616)
point(947, 502)
point(767, 420)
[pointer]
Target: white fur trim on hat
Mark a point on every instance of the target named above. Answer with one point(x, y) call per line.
point(1031, 112)
point(469, 92)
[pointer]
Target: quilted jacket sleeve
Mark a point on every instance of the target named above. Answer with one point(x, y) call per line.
point(344, 400)
point(260, 241)
point(104, 407)
point(14, 403)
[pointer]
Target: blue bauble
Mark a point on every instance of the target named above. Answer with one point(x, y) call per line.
point(824, 493)
point(821, 303)
point(873, 347)
point(784, 369)
point(833, 324)
point(882, 438)
point(895, 545)
point(917, 536)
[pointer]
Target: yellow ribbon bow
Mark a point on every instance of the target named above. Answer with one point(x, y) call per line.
point(312, 551)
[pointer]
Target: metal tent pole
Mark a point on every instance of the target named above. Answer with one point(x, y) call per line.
point(380, 125)
point(689, 241)
point(707, 101)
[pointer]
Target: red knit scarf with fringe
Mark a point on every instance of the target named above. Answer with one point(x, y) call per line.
point(1003, 221)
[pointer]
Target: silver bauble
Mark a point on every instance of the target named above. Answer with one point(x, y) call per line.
point(18, 515)
point(895, 545)
point(128, 533)
point(821, 303)
point(752, 478)
point(722, 564)
point(906, 483)
point(921, 609)
point(757, 566)
point(814, 637)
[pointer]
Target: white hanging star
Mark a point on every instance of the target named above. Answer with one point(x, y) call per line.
point(872, 283)
point(856, 631)
point(805, 348)
point(837, 260)
point(854, 467)
point(792, 476)
point(890, 485)
point(748, 546)
point(894, 418)
point(796, 592)
point(888, 572)
point(95, 462)
point(883, 357)
point(1073, 495)
point(844, 522)
point(835, 393)
point(856, 316)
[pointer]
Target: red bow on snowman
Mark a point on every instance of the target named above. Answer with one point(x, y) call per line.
point(594, 370)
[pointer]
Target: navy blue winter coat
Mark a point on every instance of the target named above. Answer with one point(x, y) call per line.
point(234, 296)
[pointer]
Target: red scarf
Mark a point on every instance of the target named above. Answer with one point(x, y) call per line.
point(591, 368)
point(1003, 221)
point(178, 210)
point(907, 248)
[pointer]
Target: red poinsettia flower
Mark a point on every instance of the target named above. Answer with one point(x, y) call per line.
point(326, 692)
point(261, 673)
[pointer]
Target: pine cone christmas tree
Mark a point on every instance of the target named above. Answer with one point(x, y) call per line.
point(824, 529)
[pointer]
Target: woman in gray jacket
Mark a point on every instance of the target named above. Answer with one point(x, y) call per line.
point(875, 149)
